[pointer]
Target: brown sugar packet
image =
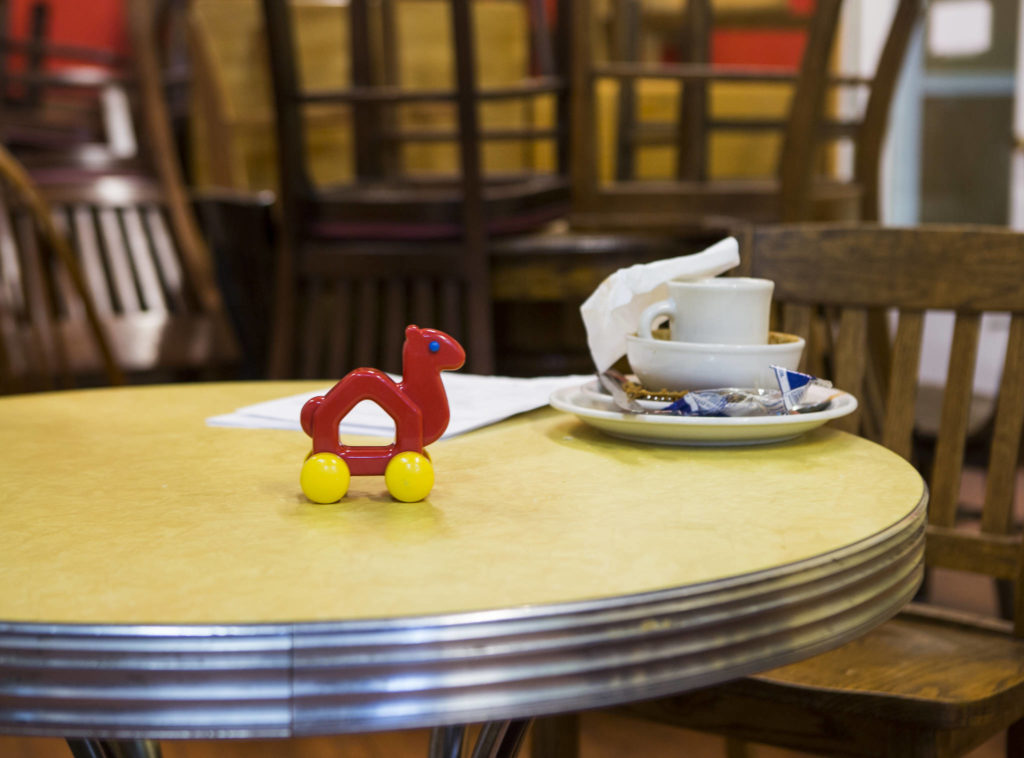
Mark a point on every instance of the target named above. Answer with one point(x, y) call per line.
point(637, 391)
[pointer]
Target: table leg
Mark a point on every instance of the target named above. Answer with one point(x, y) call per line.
point(446, 741)
point(497, 739)
point(501, 739)
point(91, 748)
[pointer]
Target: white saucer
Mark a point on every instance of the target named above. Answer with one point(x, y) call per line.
point(600, 411)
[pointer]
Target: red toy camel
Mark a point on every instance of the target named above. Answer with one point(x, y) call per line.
point(418, 405)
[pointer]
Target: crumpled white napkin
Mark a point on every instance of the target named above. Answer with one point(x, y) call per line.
point(611, 313)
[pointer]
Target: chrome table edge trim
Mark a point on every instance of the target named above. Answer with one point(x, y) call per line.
point(296, 679)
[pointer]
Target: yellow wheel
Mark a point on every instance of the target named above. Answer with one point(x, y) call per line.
point(324, 478)
point(409, 477)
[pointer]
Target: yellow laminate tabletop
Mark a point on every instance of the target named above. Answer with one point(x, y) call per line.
point(121, 506)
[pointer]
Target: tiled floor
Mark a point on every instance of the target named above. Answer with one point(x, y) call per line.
point(603, 735)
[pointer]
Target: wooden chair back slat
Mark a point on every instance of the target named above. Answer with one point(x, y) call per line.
point(310, 335)
point(88, 246)
point(366, 324)
point(796, 319)
point(997, 516)
point(70, 304)
point(167, 261)
point(10, 269)
point(1018, 603)
point(898, 423)
point(366, 116)
point(850, 358)
point(143, 260)
point(800, 141)
point(423, 306)
point(120, 267)
point(25, 359)
point(956, 404)
point(452, 319)
point(340, 337)
point(693, 103)
point(316, 329)
point(627, 29)
point(879, 368)
point(799, 320)
point(43, 349)
point(396, 318)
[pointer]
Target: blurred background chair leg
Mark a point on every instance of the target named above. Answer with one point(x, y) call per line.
point(556, 736)
point(95, 748)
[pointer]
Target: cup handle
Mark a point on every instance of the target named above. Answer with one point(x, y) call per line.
point(651, 312)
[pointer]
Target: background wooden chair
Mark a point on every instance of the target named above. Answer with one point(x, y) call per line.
point(143, 261)
point(51, 333)
point(403, 242)
point(687, 195)
point(930, 682)
point(538, 278)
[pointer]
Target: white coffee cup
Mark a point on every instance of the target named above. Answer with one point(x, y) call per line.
point(720, 310)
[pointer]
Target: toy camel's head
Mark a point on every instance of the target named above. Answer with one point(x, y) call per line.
point(432, 347)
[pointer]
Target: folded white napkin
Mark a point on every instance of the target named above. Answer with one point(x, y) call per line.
point(474, 400)
point(611, 313)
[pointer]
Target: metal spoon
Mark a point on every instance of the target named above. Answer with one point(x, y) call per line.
point(612, 382)
point(812, 407)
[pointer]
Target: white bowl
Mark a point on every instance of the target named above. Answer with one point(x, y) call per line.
point(665, 364)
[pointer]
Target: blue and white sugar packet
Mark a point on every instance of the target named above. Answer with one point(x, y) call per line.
point(795, 389)
point(800, 389)
point(728, 402)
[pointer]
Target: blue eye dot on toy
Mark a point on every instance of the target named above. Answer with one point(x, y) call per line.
point(434, 346)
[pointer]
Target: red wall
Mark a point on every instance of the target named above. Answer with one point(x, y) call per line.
point(782, 47)
point(93, 23)
point(772, 47)
point(100, 23)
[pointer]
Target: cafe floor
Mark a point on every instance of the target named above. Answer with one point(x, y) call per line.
point(602, 735)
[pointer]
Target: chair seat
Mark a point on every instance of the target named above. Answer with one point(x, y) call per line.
point(942, 673)
point(141, 342)
point(158, 341)
point(565, 266)
point(722, 203)
point(933, 670)
point(423, 212)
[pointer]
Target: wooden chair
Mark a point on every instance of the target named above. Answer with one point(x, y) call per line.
point(362, 258)
point(931, 681)
point(147, 265)
point(689, 197)
point(144, 264)
point(51, 332)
